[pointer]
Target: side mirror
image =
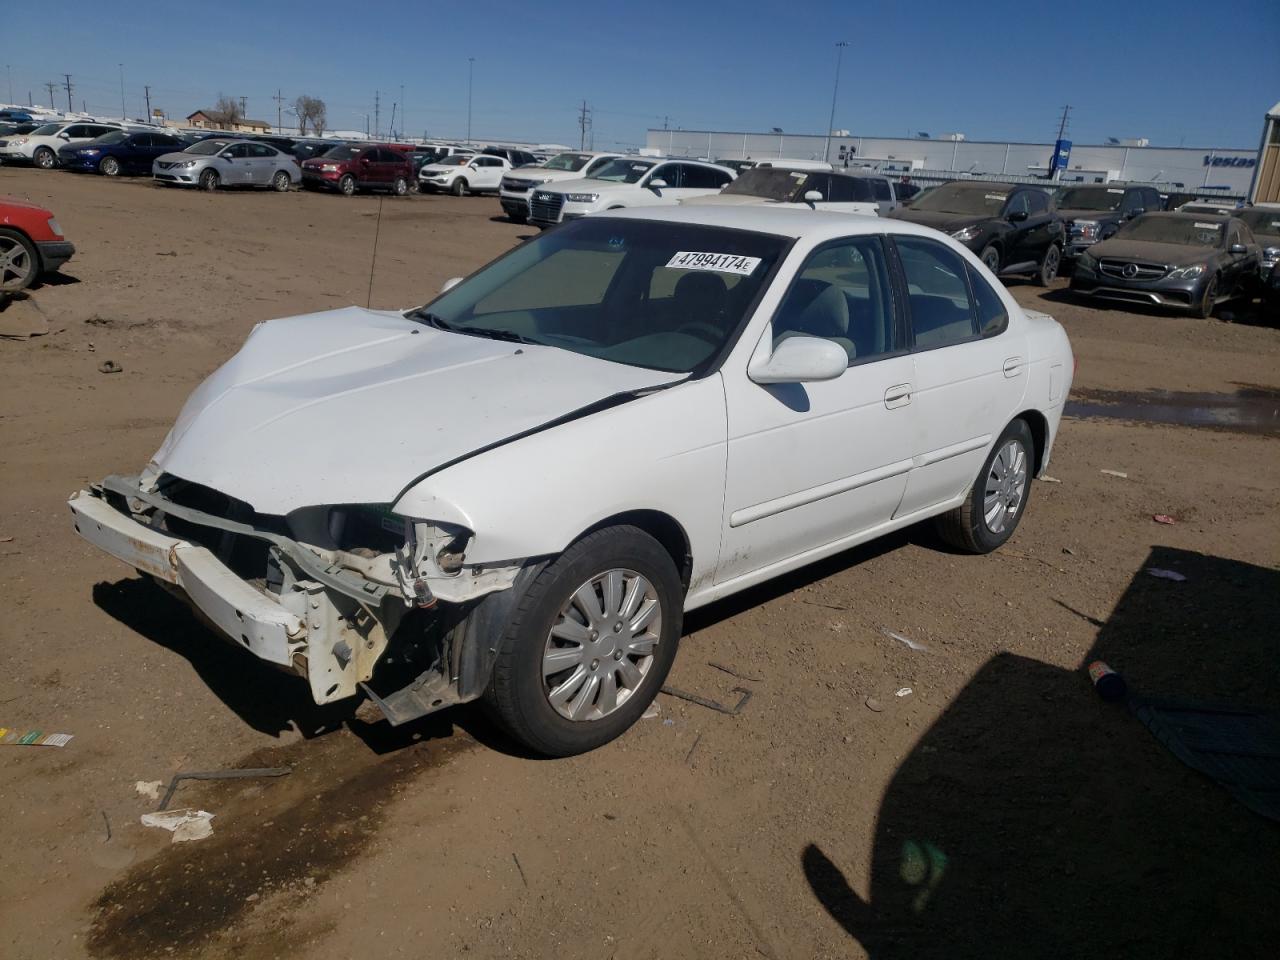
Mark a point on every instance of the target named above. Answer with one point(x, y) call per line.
point(1017, 216)
point(450, 284)
point(813, 196)
point(657, 183)
point(800, 359)
point(1135, 212)
point(64, 136)
point(1236, 249)
point(473, 166)
point(226, 156)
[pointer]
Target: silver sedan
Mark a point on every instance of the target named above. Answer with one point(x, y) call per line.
point(227, 162)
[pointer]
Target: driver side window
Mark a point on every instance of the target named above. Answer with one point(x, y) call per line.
point(1017, 204)
point(670, 172)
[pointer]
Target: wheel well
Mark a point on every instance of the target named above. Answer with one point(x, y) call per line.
point(1039, 435)
point(662, 527)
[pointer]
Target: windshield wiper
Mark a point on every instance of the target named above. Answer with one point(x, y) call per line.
point(440, 323)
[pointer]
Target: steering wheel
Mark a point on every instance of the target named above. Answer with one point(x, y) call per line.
point(703, 331)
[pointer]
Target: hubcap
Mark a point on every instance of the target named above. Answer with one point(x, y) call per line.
point(15, 264)
point(601, 645)
point(1051, 264)
point(1006, 486)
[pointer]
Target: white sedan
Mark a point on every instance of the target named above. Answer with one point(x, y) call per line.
point(517, 490)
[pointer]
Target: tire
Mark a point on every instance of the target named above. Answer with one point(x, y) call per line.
point(1204, 309)
point(459, 187)
point(281, 182)
point(1048, 270)
point(990, 258)
point(44, 158)
point(967, 526)
point(517, 217)
point(400, 187)
point(109, 167)
point(521, 690)
point(19, 261)
point(347, 185)
point(209, 180)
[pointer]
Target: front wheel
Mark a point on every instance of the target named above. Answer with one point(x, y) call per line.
point(19, 262)
point(991, 511)
point(459, 188)
point(590, 643)
point(110, 167)
point(1048, 271)
point(209, 180)
point(1204, 309)
point(347, 185)
point(990, 258)
point(280, 182)
point(44, 158)
point(400, 187)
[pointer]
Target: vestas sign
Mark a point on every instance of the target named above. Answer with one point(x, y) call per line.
point(1211, 161)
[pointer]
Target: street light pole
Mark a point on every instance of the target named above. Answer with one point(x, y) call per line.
point(9, 70)
point(124, 113)
point(826, 152)
point(471, 63)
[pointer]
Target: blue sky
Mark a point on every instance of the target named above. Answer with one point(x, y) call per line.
point(1196, 73)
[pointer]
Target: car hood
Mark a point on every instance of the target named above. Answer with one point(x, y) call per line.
point(946, 222)
point(178, 156)
point(725, 200)
point(547, 176)
point(589, 185)
point(1101, 216)
point(352, 405)
point(1173, 254)
point(442, 167)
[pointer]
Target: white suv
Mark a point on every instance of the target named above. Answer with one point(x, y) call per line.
point(870, 194)
point(627, 182)
point(463, 173)
point(42, 144)
point(517, 187)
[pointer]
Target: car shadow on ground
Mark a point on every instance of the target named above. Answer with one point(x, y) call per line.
point(1251, 313)
point(1035, 820)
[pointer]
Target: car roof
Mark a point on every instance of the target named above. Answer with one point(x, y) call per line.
point(780, 221)
point(1189, 215)
point(988, 184)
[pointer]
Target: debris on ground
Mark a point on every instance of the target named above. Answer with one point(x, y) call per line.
point(651, 711)
point(149, 788)
point(874, 705)
point(108, 823)
point(688, 757)
point(732, 672)
point(246, 774)
point(33, 738)
point(913, 644)
point(1166, 574)
point(1163, 518)
point(110, 366)
point(1109, 684)
point(903, 692)
point(22, 319)
point(183, 824)
point(1116, 473)
point(711, 704)
point(1048, 479)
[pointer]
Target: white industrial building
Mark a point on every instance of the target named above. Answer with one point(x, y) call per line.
point(1214, 169)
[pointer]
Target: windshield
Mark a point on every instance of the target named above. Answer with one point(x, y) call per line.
point(457, 160)
point(1188, 231)
point(1261, 220)
point(567, 161)
point(1090, 198)
point(966, 199)
point(769, 183)
point(48, 130)
point(664, 296)
point(116, 136)
point(623, 170)
point(209, 146)
point(342, 153)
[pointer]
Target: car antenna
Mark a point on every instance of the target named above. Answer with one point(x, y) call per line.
point(368, 300)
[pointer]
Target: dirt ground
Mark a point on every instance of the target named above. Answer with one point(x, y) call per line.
point(998, 809)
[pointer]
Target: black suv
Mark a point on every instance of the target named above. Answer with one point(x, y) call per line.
point(1013, 228)
point(517, 158)
point(1094, 213)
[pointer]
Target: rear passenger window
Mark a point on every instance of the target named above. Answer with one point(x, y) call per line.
point(880, 188)
point(937, 293)
point(1039, 202)
point(993, 318)
point(842, 294)
point(261, 150)
point(703, 178)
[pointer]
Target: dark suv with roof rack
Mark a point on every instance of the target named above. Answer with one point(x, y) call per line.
point(1013, 228)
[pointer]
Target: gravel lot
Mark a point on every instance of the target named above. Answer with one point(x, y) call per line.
point(999, 809)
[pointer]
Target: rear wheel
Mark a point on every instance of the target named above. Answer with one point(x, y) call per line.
point(400, 187)
point(459, 188)
point(1048, 271)
point(280, 182)
point(1204, 309)
point(994, 506)
point(209, 180)
point(44, 158)
point(590, 644)
point(19, 262)
point(109, 167)
point(990, 258)
point(347, 185)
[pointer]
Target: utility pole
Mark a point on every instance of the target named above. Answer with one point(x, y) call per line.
point(584, 120)
point(1062, 127)
point(391, 133)
point(826, 151)
point(51, 87)
point(124, 111)
point(377, 110)
point(404, 114)
point(147, 91)
point(471, 64)
point(279, 99)
point(244, 107)
point(68, 85)
point(9, 70)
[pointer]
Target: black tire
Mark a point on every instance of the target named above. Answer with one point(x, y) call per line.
point(1204, 309)
point(400, 187)
point(347, 185)
point(459, 188)
point(281, 181)
point(1049, 265)
point(965, 527)
point(517, 217)
point(19, 277)
point(44, 158)
point(109, 167)
point(990, 258)
point(209, 180)
point(516, 693)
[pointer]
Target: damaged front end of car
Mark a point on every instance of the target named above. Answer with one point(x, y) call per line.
point(328, 592)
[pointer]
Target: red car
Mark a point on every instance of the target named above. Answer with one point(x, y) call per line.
point(351, 167)
point(31, 243)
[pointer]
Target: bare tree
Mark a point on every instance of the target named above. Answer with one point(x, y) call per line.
point(310, 110)
point(227, 113)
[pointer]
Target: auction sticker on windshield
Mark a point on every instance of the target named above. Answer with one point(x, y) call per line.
point(719, 262)
point(1207, 226)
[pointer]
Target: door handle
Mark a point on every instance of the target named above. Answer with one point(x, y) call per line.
point(899, 395)
point(1013, 366)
